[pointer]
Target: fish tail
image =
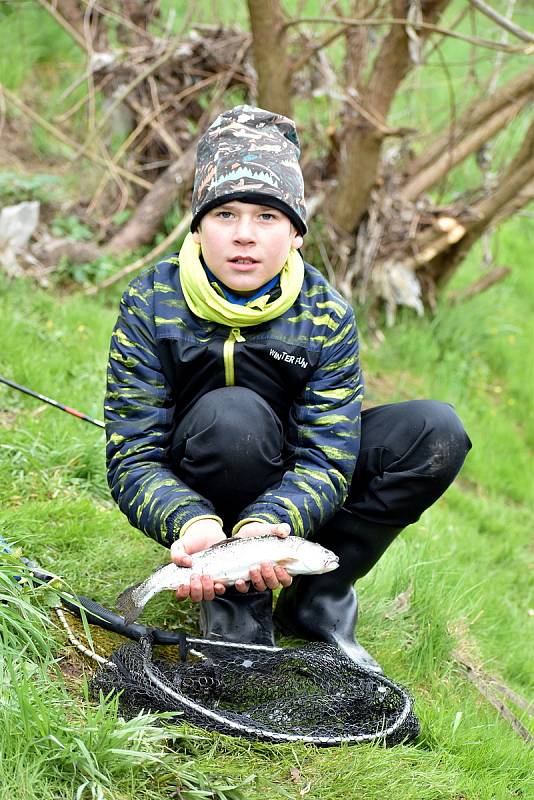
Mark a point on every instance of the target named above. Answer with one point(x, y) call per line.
point(127, 604)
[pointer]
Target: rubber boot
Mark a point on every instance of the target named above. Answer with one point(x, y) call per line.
point(325, 607)
point(238, 617)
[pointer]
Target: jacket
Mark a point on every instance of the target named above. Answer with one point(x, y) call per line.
point(162, 358)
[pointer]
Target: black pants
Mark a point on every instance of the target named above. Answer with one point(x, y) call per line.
point(230, 449)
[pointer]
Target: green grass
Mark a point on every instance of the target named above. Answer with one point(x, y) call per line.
point(464, 564)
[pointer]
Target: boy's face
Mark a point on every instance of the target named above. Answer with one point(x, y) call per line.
point(245, 245)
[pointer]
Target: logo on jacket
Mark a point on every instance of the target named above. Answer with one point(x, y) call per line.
point(298, 361)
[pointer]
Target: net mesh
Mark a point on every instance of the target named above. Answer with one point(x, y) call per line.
point(308, 694)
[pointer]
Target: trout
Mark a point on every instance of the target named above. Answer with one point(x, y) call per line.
point(229, 561)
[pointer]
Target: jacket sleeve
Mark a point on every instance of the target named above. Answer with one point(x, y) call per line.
point(324, 436)
point(139, 412)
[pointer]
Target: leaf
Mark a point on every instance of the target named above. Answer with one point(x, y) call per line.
point(457, 720)
point(52, 599)
point(401, 603)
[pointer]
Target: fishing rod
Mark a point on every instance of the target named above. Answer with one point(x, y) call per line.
point(95, 613)
point(61, 406)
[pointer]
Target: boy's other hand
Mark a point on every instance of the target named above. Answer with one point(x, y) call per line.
point(267, 575)
point(199, 536)
point(281, 529)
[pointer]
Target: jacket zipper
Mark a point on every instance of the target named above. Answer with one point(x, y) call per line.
point(228, 355)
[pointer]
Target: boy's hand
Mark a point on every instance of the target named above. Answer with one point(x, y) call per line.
point(281, 529)
point(199, 536)
point(267, 575)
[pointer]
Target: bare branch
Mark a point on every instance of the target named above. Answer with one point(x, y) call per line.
point(476, 113)
point(62, 137)
point(127, 90)
point(327, 40)
point(486, 690)
point(460, 151)
point(510, 189)
point(370, 23)
point(150, 258)
point(374, 119)
point(514, 206)
point(122, 19)
point(144, 223)
point(361, 145)
point(52, 10)
point(505, 23)
point(488, 280)
point(436, 45)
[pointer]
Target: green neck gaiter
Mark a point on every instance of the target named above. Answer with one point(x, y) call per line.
point(206, 303)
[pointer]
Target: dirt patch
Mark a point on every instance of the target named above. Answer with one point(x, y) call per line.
point(74, 667)
point(7, 418)
point(391, 387)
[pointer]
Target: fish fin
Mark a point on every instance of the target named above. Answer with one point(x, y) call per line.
point(223, 543)
point(126, 604)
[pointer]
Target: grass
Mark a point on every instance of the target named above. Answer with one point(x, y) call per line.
point(462, 569)
point(463, 565)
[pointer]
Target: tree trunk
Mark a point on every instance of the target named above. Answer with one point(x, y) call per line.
point(360, 151)
point(271, 60)
point(357, 46)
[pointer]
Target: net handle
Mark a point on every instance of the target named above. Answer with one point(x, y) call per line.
point(97, 614)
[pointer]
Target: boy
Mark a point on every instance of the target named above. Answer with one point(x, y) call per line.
point(233, 402)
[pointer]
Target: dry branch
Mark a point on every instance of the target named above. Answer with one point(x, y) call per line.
point(510, 187)
point(467, 145)
point(494, 276)
point(475, 114)
point(145, 222)
point(65, 24)
point(503, 22)
point(62, 137)
point(124, 20)
point(150, 258)
point(487, 689)
point(153, 67)
point(355, 47)
point(422, 26)
point(522, 199)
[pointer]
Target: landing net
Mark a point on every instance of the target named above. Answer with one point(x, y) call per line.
point(309, 694)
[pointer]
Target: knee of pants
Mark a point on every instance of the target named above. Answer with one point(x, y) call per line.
point(247, 430)
point(241, 426)
point(446, 443)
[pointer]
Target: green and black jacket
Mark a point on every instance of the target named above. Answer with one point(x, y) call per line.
point(163, 358)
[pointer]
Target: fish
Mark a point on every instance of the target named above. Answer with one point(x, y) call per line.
point(227, 562)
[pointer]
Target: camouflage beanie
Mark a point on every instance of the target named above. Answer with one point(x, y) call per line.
point(250, 155)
